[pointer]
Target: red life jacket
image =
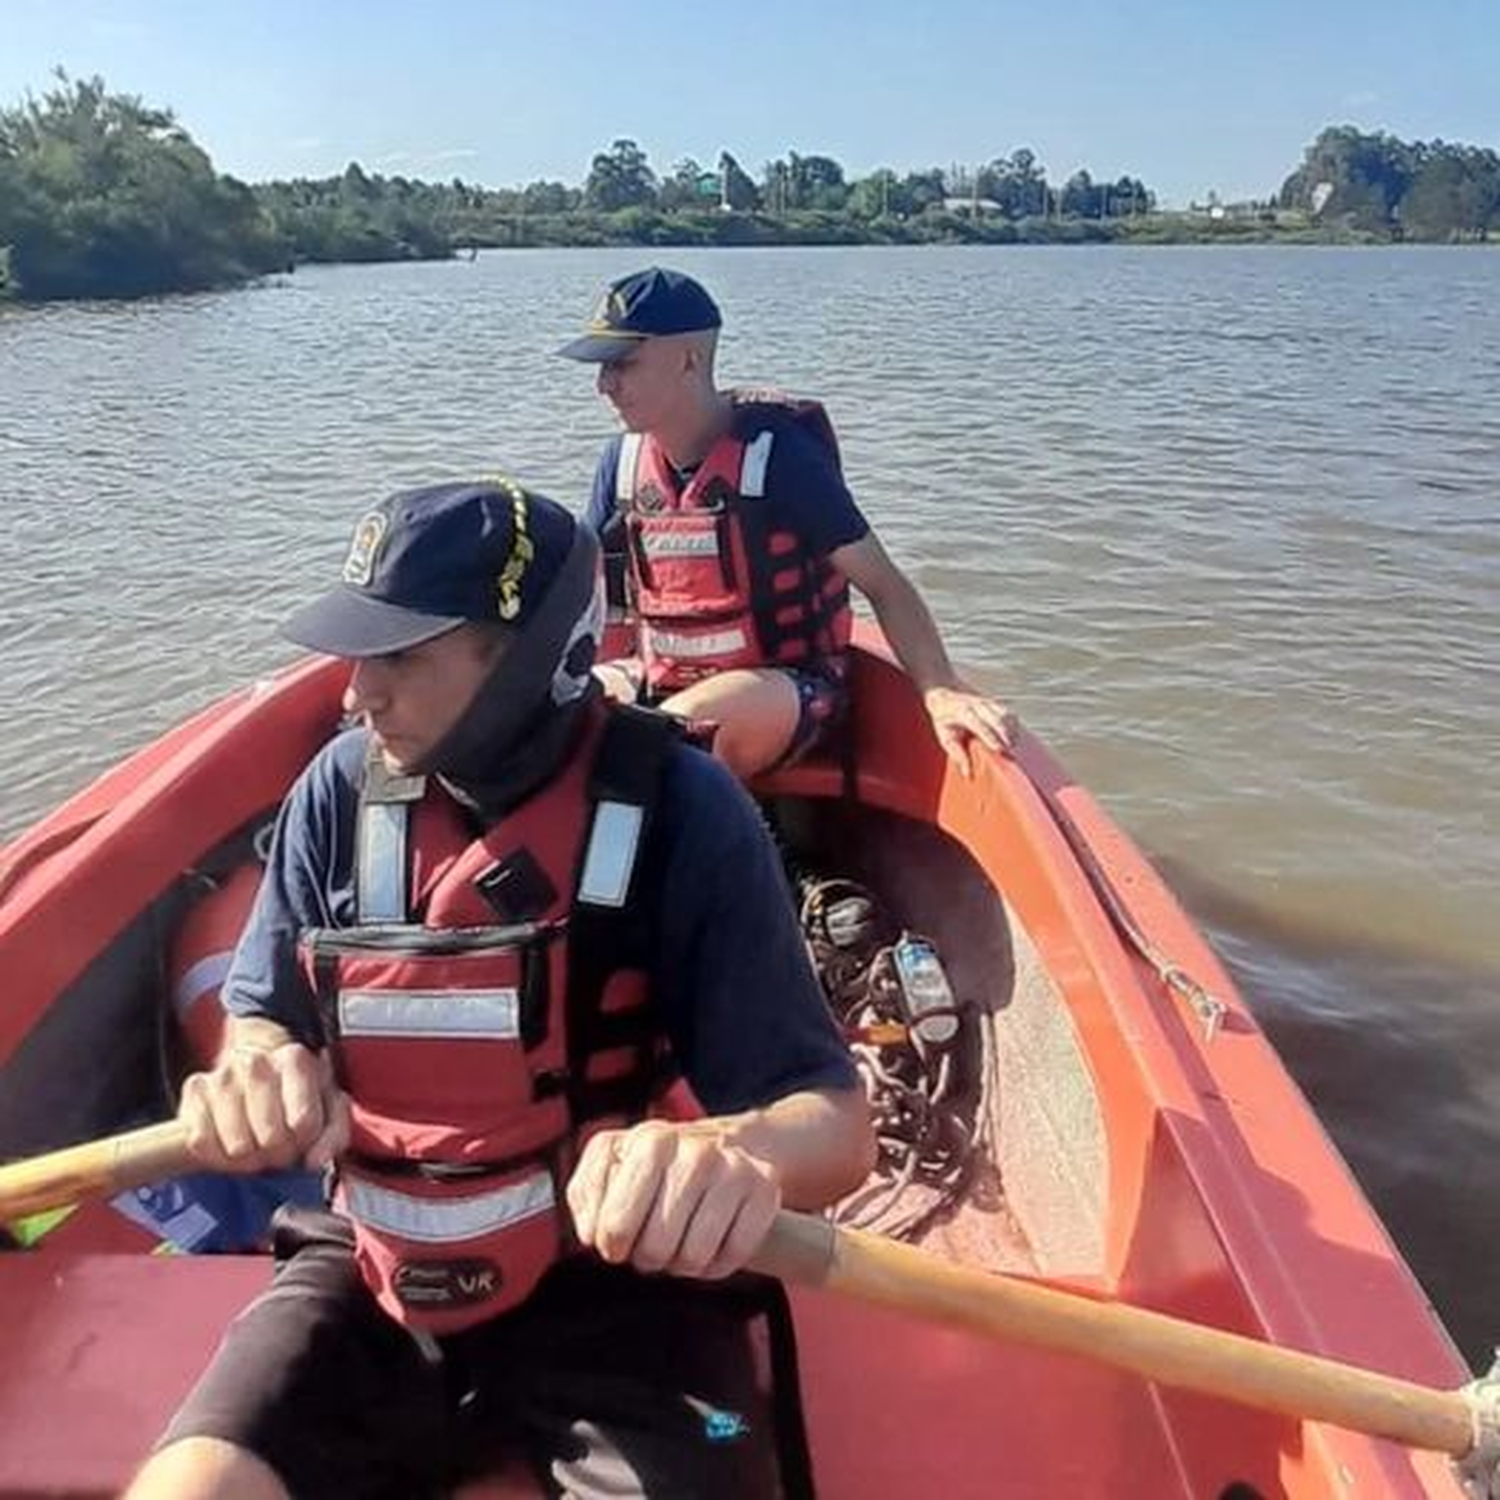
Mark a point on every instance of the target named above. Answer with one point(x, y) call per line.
point(199, 958)
point(716, 585)
point(481, 1016)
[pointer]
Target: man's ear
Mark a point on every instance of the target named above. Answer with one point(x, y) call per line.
point(697, 355)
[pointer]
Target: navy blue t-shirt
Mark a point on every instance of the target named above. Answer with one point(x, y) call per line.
point(729, 971)
point(805, 493)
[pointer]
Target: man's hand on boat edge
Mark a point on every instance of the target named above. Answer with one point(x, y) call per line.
point(960, 715)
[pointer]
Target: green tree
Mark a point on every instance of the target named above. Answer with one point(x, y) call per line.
point(102, 195)
point(548, 198)
point(922, 191)
point(1080, 199)
point(1346, 174)
point(620, 178)
point(819, 183)
point(739, 191)
point(876, 196)
point(1016, 183)
point(804, 182)
point(358, 217)
point(1454, 193)
point(1126, 197)
point(684, 187)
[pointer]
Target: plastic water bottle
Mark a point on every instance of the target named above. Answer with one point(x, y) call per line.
point(925, 988)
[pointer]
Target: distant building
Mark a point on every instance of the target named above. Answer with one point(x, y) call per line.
point(1218, 211)
point(979, 207)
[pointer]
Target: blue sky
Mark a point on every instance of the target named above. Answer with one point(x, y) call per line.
point(1190, 95)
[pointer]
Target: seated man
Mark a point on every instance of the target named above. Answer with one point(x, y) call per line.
point(497, 919)
point(741, 538)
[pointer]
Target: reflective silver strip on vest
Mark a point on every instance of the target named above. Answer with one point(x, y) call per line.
point(753, 466)
point(490, 1014)
point(445, 1220)
point(680, 543)
point(613, 842)
point(715, 643)
point(381, 880)
point(630, 452)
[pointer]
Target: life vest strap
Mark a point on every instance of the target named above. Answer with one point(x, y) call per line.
point(754, 464)
point(604, 939)
point(381, 853)
point(630, 449)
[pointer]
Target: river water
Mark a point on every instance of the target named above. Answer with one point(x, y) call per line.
point(1224, 524)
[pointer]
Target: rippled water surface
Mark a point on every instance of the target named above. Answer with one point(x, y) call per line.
point(1224, 524)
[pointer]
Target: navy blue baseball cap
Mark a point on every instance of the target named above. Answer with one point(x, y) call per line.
point(645, 305)
point(429, 560)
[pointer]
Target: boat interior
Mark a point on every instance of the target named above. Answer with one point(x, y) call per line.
point(1094, 1148)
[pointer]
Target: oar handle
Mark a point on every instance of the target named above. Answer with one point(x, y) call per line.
point(93, 1169)
point(813, 1252)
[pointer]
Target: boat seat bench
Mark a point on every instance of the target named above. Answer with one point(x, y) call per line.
point(93, 1401)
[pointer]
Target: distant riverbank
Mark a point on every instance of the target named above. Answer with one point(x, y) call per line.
point(652, 232)
point(731, 229)
point(103, 196)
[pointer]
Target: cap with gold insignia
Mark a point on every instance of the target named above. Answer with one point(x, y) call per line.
point(428, 560)
point(644, 305)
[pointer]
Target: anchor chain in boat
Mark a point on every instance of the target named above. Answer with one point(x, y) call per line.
point(916, 1049)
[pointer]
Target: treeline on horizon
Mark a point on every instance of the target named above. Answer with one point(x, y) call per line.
point(102, 195)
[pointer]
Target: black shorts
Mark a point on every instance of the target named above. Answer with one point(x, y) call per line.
point(822, 704)
point(609, 1383)
point(822, 699)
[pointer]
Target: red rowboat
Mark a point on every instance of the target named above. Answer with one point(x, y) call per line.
point(1141, 1140)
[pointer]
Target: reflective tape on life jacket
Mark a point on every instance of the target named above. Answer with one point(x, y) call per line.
point(711, 647)
point(471, 1042)
point(717, 586)
point(430, 1013)
point(447, 1221)
point(609, 860)
point(442, 1261)
point(199, 956)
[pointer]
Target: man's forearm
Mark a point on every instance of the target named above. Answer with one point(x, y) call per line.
point(913, 634)
point(819, 1143)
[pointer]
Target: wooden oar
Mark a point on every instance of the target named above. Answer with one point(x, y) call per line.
point(92, 1170)
point(812, 1252)
point(1171, 1351)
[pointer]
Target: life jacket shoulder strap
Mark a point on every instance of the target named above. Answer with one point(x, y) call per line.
point(625, 469)
point(613, 913)
point(382, 840)
point(753, 466)
point(624, 787)
point(768, 404)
